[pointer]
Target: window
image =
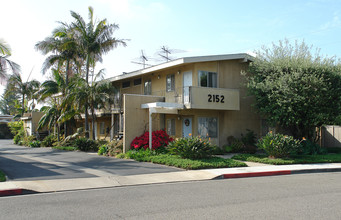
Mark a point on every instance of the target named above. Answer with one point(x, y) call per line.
point(208, 127)
point(126, 84)
point(171, 127)
point(170, 83)
point(137, 82)
point(148, 87)
point(207, 79)
point(101, 128)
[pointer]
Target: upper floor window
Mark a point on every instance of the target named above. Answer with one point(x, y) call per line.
point(170, 83)
point(207, 79)
point(148, 87)
point(126, 84)
point(137, 81)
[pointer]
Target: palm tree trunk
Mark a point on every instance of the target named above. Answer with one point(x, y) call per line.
point(66, 85)
point(93, 123)
point(86, 103)
point(23, 104)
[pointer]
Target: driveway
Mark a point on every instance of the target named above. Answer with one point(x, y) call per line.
point(23, 163)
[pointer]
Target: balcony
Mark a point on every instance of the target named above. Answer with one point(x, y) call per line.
point(203, 98)
point(211, 98)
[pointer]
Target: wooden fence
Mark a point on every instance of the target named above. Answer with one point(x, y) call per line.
point(331, 136)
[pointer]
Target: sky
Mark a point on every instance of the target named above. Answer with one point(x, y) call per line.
point(189, 27)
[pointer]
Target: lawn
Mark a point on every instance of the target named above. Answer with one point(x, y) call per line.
point(2, 176)
point(302, 159)
point(177, 161)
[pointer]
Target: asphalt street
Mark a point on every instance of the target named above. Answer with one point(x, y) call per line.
point(23, 163)
point(304, 196)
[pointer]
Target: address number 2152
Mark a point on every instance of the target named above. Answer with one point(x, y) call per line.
point(216, 98)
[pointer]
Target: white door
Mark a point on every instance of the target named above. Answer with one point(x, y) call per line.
point(186, 127)
point(187, 84)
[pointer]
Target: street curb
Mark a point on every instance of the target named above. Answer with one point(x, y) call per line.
point(255, 174)
point(10, 192)
point(279, 172)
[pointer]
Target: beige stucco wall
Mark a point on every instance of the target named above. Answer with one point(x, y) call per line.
point(136, 119)
point(236, 122)
point(230, 122)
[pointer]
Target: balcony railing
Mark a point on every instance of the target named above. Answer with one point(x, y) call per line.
point(193, 98)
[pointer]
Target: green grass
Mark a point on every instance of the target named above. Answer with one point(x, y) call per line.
point(2, 176)
point(328, 158)
point(177, 161)
point(65, 148)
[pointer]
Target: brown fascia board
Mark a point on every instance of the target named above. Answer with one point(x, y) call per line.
point(181, 61)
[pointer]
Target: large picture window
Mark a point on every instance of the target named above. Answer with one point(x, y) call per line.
point(207, 79)
point(148, 87)
point(170, 83)
point(208, 127)
point(171, 127)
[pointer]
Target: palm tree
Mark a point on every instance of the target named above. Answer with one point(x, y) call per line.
point(5, 53)
point(98, 95)
point(95, 39)
point(64, 50)
point(24, 89)
point(51, 117)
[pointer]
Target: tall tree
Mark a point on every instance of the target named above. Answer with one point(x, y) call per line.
point(24, 89)
point(95, 39)
point(98, 94)
point(5, 53)
point(63, 51)
point(294, 88)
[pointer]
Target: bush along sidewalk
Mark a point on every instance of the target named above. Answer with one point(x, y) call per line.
point(282, 149)
point(185, 153)
point(2, 176)
point(177, 161)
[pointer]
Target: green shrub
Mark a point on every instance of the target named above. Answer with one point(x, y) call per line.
point(102, 150)
point(115, 147)
point(18, 138)
point(279, 145)
point(141, 155)
point(191, 148)
point(16, 127)
point(49, 141)
point(85, 144)
point(246, 144)
point(34, 144)
point(334, 150)
point(308, 147)
point(28, 139)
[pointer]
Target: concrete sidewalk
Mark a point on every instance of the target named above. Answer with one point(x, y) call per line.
point(17, 187)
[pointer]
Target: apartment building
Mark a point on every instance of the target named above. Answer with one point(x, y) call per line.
point(199, 96)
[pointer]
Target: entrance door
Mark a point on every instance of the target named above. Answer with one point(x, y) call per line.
point(187, 84)
point(186, 127)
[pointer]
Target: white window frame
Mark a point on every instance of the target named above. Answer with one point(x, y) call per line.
point(170, 83)
point(205, 129)
point(147, 87)
point(210, 83)
point(171, 126)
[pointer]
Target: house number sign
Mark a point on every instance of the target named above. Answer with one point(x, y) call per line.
point(216, 98)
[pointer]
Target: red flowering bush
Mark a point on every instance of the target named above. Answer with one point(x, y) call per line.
point(160, 139)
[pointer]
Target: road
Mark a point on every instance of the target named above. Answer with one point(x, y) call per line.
point(23, 163)
point(304, 196)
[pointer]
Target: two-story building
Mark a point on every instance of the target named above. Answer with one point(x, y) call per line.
point(203, 96)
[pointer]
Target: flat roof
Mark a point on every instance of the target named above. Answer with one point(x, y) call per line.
point(185, 60)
